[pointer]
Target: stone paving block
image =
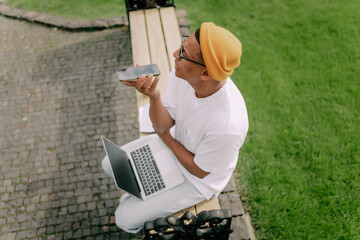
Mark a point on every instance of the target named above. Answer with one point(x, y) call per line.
point(117, 21)
point(30, 15)
point(2, 221)
point(43, 17)
point(9, 11)
point(76, 24)
point(180, 13)
point(231, 202)
point(185, 31)
point(53, 20)
point(10, 236)
point(100, 23)
point(183, 22)
point(241, 230)
point(230, 187)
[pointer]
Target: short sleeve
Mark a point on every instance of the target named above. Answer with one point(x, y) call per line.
point(218, 153)
point(169, 97)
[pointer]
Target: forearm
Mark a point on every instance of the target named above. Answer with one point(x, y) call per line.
point(185, 157)
point(159, 116)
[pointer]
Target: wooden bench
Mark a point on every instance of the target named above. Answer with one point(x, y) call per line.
point(155, 35)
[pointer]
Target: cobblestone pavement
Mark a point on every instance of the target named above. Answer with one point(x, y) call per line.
point(58, 95)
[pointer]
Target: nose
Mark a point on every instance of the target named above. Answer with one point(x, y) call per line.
point(176, 54)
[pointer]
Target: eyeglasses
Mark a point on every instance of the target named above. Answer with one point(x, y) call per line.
point(181, 53)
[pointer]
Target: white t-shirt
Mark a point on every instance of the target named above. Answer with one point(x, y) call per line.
point(212, 128)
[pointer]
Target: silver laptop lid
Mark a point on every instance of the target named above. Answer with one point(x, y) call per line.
point(120, 164)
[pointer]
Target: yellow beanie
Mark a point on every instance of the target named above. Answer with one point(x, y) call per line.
point(220, 49)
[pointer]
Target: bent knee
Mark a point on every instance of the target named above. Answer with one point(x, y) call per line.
point(128, 222)
point(106, 166)
point(105, 163)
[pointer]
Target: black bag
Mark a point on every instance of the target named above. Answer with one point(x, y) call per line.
point(207, 225)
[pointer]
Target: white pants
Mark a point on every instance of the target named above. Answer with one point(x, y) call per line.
point(133, 212)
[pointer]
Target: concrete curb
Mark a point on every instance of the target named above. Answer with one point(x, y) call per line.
point(229, 199)
point(79, 25)
point(62, 22)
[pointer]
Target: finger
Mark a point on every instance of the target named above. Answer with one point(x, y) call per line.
point(140, 82)
point(155, 82)
point(129, 83)
point(141, 78)
point(138, 65)
point(149, 81)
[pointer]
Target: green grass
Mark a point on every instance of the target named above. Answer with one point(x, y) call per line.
point(76, 9)
point(300, 165)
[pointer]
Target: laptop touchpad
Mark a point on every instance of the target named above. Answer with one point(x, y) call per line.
point(165, 161)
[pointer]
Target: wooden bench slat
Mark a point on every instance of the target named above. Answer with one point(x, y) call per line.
point(171, 32)
point(192, 209)
point(158, 53)
point(140, 45)
point(212, 203)
point(139, 41)
point(206, 205)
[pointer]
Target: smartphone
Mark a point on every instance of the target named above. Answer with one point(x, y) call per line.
point(133, 73)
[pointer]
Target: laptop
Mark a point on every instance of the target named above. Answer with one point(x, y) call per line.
point(144, 167)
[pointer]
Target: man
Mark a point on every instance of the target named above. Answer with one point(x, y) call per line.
point(210, 121)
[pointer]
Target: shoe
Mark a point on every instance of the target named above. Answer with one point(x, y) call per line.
point(123, 196)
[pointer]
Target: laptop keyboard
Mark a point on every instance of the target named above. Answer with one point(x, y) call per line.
point(148, 171)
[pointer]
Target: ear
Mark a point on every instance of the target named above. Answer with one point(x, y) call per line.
point(204, 76)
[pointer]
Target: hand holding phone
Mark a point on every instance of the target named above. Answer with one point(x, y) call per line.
point(133, 73)
point(145, 82)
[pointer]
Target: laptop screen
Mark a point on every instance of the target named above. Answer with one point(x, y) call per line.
point(121, 167)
